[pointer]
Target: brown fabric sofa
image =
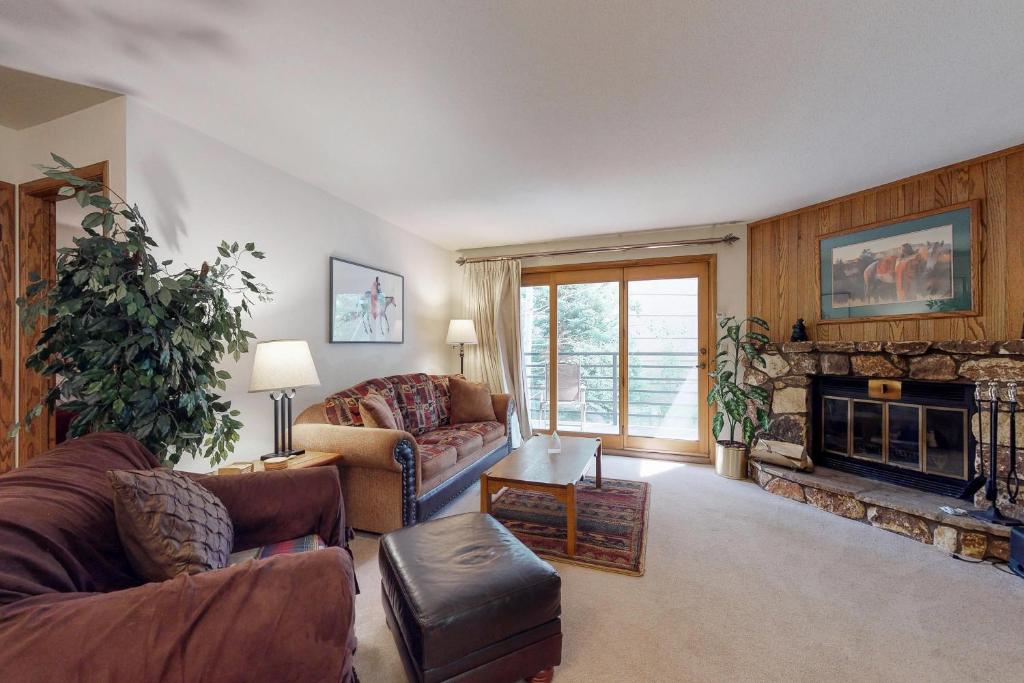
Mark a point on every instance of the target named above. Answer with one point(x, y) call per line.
point(72, 609)
point(392, 478)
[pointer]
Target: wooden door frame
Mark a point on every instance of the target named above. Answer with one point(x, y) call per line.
point(576, 272)
point(37, 233)
point(7, 323)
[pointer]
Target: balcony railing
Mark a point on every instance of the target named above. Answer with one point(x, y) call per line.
point(663, 397)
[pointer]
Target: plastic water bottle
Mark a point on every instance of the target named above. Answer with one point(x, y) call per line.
point(556, 444)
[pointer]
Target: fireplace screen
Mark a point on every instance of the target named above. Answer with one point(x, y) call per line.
point(908, 436)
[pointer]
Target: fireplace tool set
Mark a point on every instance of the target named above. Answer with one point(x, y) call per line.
point(995, 399)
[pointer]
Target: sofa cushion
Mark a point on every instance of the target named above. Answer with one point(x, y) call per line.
point(471, 402)
point(489, 430)
point(436, 458)
point(442, 392)
point(463, 441)
point(342, 408)
point(415, 396)
point(169, 524)
point(376, 413)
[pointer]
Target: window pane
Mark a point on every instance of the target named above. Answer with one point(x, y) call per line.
point(588, 357)
point(663, 355)
point(534, 312)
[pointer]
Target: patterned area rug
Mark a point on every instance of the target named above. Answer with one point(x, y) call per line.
point(611, 524)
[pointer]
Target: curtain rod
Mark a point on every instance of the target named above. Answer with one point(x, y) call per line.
point(727, 240)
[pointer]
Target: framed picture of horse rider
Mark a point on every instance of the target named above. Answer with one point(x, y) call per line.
point(367, 304)
point(924, 265)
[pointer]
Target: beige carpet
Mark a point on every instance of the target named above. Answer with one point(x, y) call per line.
point(745, 586)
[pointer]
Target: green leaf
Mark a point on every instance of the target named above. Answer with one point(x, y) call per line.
point(62, 161)
point(92, 220)
point(757, 336)
point(82, 197)
point(717, 423)
point(66, 191)
point(759, 321)
point(749, 430)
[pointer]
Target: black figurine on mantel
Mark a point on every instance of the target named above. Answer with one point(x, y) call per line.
point(799, 332)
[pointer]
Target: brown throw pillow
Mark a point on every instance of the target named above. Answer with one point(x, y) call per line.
point(377, 414)
point(471, 402)
point(169, 524)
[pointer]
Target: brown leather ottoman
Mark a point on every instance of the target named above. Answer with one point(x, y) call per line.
point(467, 601)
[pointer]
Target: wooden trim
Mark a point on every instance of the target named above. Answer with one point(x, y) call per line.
point(1009, 151)
point(705, 268)
point(631, 263)
point(976, 246)
point(46, 188)
point(37, 220)
point(8, 320)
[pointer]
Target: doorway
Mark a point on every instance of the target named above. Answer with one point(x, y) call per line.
point(629, 352)
point(37, 242)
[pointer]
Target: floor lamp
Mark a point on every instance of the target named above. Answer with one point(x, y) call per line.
point(460, 333)
point(280, 367)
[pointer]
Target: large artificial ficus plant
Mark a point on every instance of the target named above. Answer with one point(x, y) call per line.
point(131, 345)
point(739, 405)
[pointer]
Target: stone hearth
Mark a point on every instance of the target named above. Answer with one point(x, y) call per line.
point(791, 366)
point(913, 514)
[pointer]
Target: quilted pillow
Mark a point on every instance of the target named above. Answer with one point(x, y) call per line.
point(169, 524)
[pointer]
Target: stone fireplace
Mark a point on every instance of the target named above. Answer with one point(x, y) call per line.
point(821, 398)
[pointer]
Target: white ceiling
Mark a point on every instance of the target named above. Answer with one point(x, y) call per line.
point(476, 122)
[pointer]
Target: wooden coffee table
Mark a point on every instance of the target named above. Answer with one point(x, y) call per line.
point(532, 468)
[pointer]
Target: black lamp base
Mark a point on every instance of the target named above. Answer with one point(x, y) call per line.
point(283, 454)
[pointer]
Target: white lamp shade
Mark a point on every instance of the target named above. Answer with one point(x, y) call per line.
point(283, 364)
point(461, 332)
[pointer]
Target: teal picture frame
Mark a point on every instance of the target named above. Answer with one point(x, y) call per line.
point(919, 266)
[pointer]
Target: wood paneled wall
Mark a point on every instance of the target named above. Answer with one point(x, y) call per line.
point(782, 253)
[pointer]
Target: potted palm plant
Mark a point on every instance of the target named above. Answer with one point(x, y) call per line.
point(738, 405)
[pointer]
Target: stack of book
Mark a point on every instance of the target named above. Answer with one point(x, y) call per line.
point(238, 467)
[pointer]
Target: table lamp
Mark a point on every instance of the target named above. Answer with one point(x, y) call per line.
point(281, 366)
point(460, 333)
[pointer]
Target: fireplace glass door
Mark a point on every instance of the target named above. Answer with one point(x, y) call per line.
point(868, 430)
point(904, 435)
point(929, 440)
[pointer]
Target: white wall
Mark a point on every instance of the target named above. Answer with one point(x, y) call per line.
point(84, 137)
point(195, 191)
point(731, 259)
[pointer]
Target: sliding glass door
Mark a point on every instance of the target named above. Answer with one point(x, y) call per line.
point(628, 358)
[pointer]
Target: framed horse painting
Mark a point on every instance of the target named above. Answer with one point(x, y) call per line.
point(924, 265)
point(367, 304)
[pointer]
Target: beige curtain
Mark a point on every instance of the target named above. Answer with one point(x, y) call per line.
point(492, 302)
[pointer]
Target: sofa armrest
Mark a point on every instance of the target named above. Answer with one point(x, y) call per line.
point(269, 507)
point(386, 449)
point(266, 620)
point(504, 406)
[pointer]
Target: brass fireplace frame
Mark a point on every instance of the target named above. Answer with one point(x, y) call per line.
point(922, 433)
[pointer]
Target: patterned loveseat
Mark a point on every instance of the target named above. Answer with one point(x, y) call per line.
point(392, 478)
